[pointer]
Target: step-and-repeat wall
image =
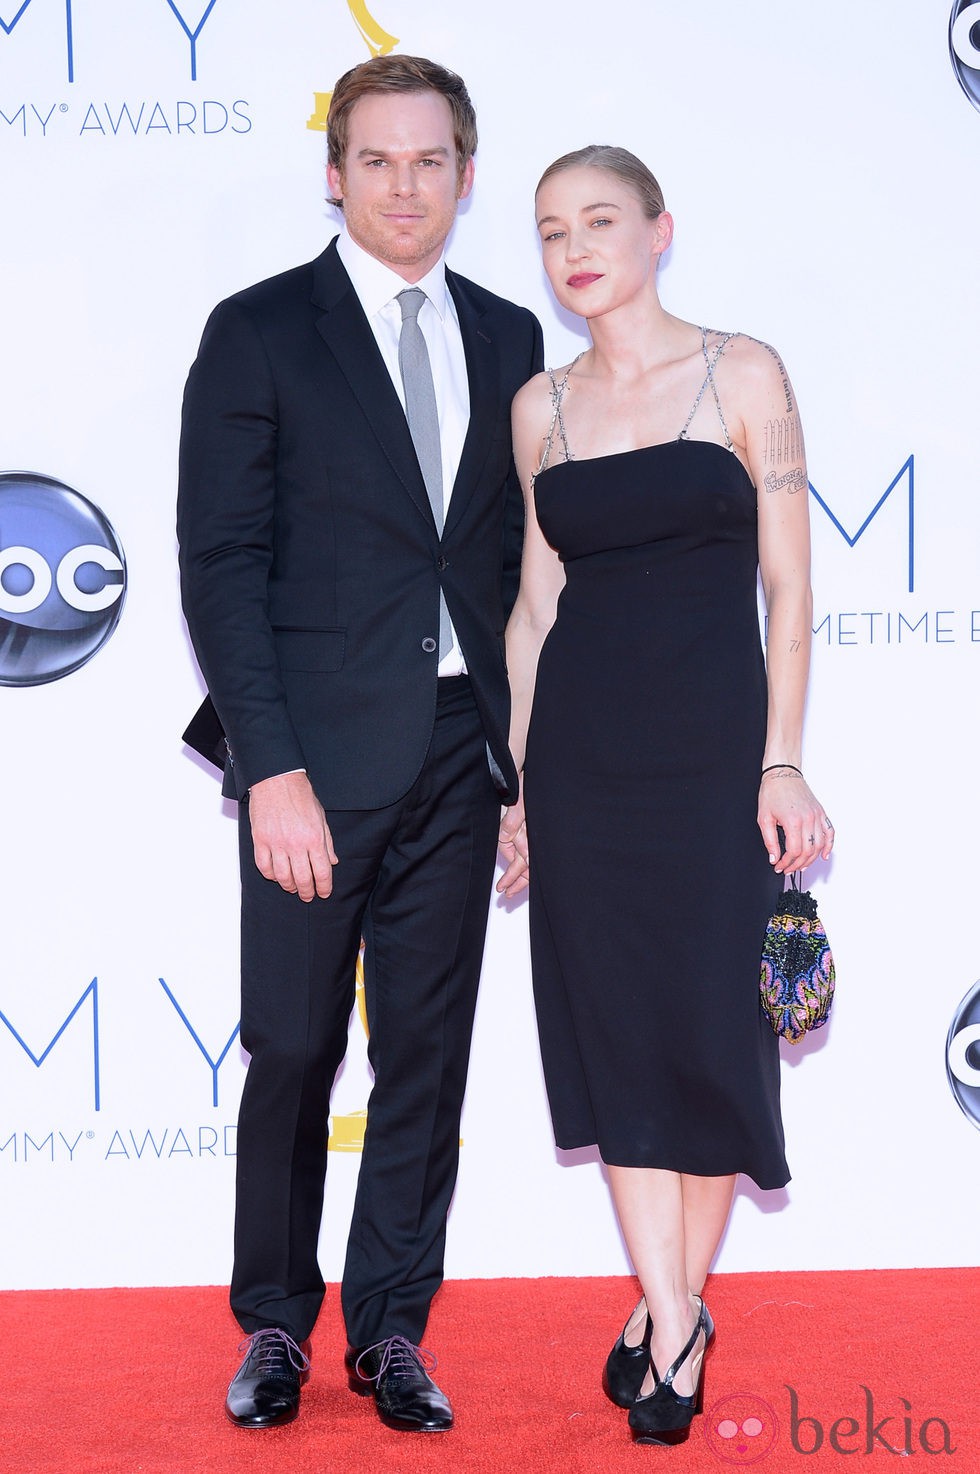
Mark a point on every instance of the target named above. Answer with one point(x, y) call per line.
point(821, 162)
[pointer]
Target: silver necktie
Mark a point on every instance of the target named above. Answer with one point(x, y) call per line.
point(423, 421)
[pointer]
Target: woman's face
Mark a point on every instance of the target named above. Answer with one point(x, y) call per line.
point(599, 248)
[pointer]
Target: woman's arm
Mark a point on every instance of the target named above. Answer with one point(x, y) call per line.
point(542, 580)
point(773, 447)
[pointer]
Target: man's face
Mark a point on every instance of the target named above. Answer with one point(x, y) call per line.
point(399, 181)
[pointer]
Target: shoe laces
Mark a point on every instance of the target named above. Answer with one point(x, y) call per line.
point(265, 1349)
point(399, 1356)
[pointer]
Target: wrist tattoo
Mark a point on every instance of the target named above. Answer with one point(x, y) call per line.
point(794, 645)
point(781, 769)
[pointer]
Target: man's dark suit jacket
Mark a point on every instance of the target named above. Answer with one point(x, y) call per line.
point(310, 561)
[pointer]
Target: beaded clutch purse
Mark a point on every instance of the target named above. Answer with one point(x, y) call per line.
point(796, 981)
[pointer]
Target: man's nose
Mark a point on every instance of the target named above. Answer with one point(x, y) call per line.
point(403, 179)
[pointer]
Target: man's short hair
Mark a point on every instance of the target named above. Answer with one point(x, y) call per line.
point(399, 73)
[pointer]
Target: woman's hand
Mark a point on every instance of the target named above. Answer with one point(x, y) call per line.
point(512, 843)
point(785, 801)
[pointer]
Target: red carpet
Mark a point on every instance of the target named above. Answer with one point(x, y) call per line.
point(132, 1381)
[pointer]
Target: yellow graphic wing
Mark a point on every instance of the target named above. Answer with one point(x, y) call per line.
point(378, 42)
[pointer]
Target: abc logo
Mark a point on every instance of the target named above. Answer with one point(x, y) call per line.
point(62, 579)
point(963, 1055)
point(964, 47)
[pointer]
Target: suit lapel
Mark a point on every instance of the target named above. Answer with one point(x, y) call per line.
point(482, 374)
point(347, 333)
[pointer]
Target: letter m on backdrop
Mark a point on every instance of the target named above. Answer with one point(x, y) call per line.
point(907, 472)
point(92, 991)
point(8, 25)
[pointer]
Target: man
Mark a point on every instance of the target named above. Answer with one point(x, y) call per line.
point(350, 527)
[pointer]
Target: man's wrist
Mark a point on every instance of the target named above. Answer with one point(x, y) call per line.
point(289, 772)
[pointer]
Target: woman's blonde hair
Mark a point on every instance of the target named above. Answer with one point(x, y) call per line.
point(618, 161)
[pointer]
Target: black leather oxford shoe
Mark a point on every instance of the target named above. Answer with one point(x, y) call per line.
point(396, 1373)
point(264, 1392)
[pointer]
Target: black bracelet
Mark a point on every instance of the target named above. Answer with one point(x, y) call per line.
point(774, 766)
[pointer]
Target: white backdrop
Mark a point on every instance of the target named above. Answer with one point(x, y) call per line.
point(821, 164)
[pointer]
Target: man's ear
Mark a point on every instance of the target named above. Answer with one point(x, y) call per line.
point(466, 179)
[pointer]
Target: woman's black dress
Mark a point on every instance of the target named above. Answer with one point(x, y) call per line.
point(650, 882)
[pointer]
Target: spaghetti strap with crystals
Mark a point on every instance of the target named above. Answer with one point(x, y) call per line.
point(557, 420)
point(711, 363)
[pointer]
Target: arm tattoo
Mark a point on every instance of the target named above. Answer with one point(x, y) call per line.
point(795, 480)
point(783, 441)
point(794, 645)
point(783, 374)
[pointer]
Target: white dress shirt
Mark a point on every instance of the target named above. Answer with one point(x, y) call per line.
point(377, 287)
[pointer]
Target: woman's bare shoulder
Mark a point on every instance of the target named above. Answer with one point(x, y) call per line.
point(757, 368)
point(757, 356)
point(537, 388)
point(534, 398)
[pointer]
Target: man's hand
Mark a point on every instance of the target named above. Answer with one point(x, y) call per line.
point(291, 837)
point(512, 842)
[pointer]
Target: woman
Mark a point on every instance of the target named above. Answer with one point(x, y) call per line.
point(662, 468)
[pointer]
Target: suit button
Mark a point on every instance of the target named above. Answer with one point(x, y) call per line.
point(428, 644)
point(442, 564)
